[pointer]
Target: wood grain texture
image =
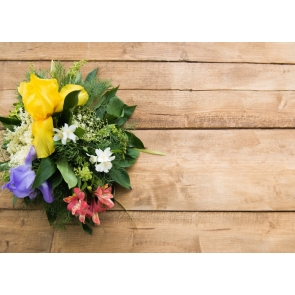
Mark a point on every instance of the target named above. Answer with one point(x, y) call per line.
point(217, 189)
point(171, 76)
point(254, 52)
point(23, 231)
point(200, 109)
point(211, 170)
point(177, 232)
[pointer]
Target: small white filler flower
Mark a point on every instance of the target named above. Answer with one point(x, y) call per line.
point(65, 134)
point(102, 160)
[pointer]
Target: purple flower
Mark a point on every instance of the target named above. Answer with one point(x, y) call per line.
point(22, 178)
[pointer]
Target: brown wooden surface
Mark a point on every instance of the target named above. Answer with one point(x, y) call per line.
point(224, 115)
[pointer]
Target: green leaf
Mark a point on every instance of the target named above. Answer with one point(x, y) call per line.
point(127, 162)
point(56, 179)
point(80, 132)
point(67, 172)
point(133, 153)
point(71, 100)
point(45, 170)
point(127, 113)
point(121, 177)
point(4, 166)
point(9, 123)
point(78, 79)
point(115, 107)
point(110, 93)
point(130, 158)
point(86, 228)
point(66, 117)
point(100, 112)
point(14, 201)
point(91, 75)
point(134, 141)
point(51, 216)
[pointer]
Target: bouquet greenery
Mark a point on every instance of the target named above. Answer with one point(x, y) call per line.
point(68, 144)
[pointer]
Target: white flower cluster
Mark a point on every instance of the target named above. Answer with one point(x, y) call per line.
point(87, 122)
point(20, 140)
point(102, 160)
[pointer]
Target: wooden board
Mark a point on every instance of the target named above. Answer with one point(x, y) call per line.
point(211, 170)
point(172, 76)
point(200, 109)
point(255, 52)
point(224, 114)
point(178, 232)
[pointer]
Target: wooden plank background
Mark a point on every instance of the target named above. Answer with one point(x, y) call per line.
point(224, 115)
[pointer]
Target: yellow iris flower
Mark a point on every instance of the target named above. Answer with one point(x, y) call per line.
point(41, 99)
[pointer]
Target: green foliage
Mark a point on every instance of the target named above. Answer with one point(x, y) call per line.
point(57, 213)
point(46, 169)
point(71, 100)
point(86, 228)
point(67, 172)
point(121, 177)
point(134, 141)
point(9, 123)
point(4, 166)
point(100, 123)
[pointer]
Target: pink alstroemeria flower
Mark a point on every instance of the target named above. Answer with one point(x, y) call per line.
point(77, 205)
point(104, 195)
point(95, 208)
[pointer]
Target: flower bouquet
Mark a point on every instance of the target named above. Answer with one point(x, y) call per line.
point(68, 144)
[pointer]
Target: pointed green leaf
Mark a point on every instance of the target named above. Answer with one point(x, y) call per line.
point(67, 172)
point(91, 75)
point(9, 123)
point(127, 113)
point(115, 107)
point(121, 177)
point(71, 100)
point(86, 228)
point(112, 92)
point(134, 141)
point(45, 170)
point(4, 166)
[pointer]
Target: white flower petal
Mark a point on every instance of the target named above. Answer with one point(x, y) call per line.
point(56, 137)
point(99, 167)
point(72, 128)
point(98, 152)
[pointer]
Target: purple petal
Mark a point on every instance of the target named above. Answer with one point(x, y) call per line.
point(23, 177)
point(46, 190)
point(33, 194)
point(32, 155)
point(21, 180)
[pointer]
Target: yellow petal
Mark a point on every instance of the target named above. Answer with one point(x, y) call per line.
point(40, 96)
point(43, 141)
point(82, 97)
